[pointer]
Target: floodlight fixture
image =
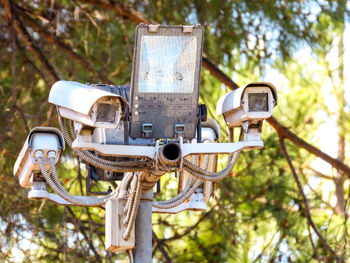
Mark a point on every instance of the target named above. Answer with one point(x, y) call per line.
point(165, 81)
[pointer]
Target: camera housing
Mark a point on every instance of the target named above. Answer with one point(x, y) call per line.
point(87, 105)
point(253, 102)
point(44, 139)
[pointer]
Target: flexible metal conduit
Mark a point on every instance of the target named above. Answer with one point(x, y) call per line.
point(210, 176)
point(92, 159)
point(186, 192)
point(128, 180)
point(201, 174)
point(133, 208)
point(164, 203)
point(59, 189)
point(179, 198)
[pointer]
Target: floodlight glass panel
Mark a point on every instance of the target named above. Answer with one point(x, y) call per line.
point(167, 64)
point(258, 102)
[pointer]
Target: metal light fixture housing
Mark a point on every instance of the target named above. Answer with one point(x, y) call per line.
point(165, 81)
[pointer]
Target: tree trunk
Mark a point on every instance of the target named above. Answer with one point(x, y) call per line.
point(340, 92)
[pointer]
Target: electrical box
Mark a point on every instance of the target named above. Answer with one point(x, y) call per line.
point(114, 228)
point(165, 81)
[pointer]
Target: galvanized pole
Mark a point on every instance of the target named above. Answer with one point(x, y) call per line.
point(143, 229)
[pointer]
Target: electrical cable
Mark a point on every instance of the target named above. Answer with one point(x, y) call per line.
point(201, 175)
point(130, 200)
point(131, 256)
point(58, 188)
point(72, 130)
point(214, 176)
point(187, 190)
point(134, 208)
point(181, 199)
point(189, 183)
point(127, 166)
point(130, 181)
point(133, 166)
point(124, 184)
point(211, 176)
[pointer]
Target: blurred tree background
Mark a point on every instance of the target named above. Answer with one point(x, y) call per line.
point(288, 202)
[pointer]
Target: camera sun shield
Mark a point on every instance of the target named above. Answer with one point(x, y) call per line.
point(165, 81)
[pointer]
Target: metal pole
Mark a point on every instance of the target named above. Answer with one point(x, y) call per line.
point(143, 229)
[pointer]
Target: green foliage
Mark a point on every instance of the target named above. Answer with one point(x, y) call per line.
point(257, 214)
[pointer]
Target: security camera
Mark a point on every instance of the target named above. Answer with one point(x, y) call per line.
point(87, 105)
point(253, 102)
point(49, 141)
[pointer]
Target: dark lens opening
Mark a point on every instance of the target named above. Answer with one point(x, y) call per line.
point(106, 112)
point(258, 102)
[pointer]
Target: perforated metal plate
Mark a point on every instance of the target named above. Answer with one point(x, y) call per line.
point(165, 81)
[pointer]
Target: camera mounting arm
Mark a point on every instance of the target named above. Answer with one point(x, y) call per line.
point(150, 151)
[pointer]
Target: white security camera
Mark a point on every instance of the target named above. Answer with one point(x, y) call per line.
point(87, 105)
point(49, 141)
point(253, 102)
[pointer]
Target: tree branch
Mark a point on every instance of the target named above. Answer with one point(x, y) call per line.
point(22, 116)
point(31, 63)
point(37, 52)
point(78, 226)
point(319, 174)
point(137, 17)
point(317, 195)
point(218, 73)
point(159, 244)
point(27, 39)
point(286, 133)
point(189, 229)
point(312, 244)
point(264, 248)
point(121, 10)
point(306, 203)
point(62, 46)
